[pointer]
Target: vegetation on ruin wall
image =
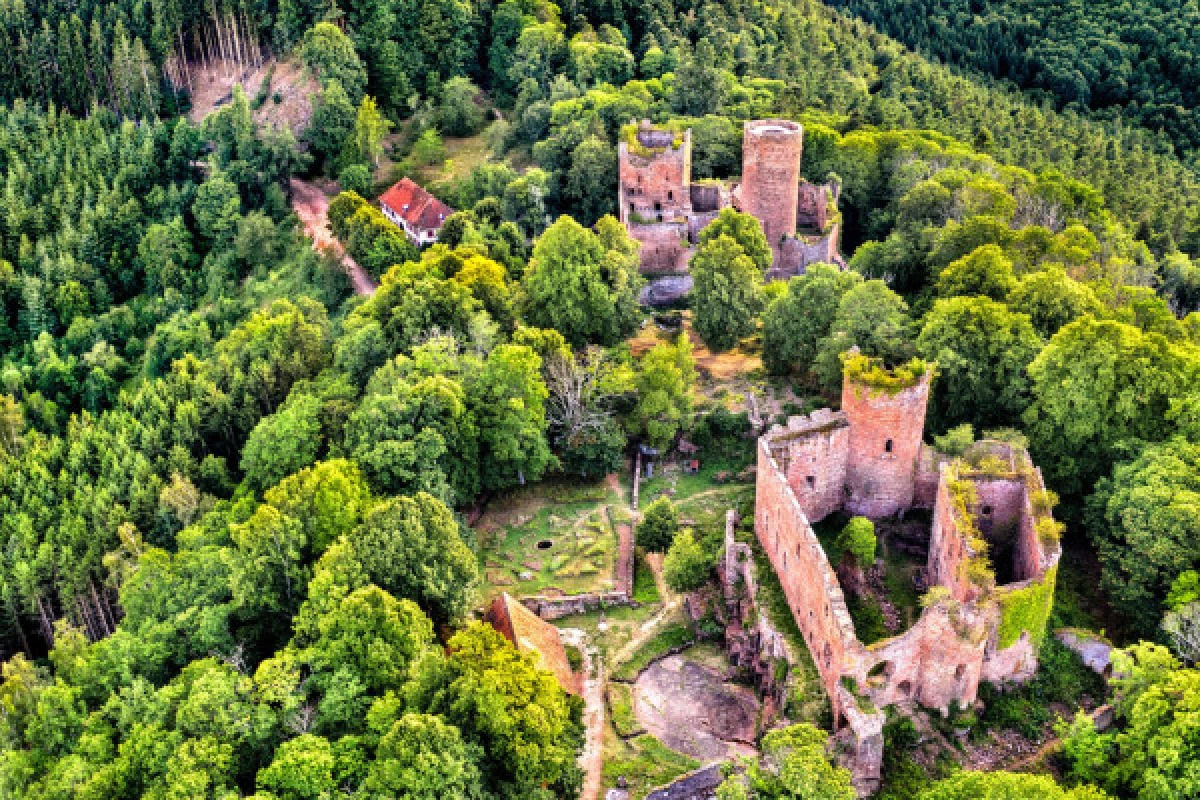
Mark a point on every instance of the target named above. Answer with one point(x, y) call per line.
point(629, 134)
point(1026, 609)
point(963, 498)
point(871, 373)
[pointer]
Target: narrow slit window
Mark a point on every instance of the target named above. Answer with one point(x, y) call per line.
point(887, 446)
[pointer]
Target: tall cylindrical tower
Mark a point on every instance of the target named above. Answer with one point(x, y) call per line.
point(886, 412)
point(771, 151)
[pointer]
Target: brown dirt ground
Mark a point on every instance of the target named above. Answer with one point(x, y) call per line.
point(312, 207)
point(212, 88)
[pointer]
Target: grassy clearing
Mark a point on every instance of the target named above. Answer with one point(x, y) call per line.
point(619, 626)
point(620, 709)
point(644, 762)
point(898, 581)
point(549, 537)
point(645, 590)
point(671, 636)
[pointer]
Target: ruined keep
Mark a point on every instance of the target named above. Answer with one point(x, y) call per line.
point(665, 210)
point(983, 617)
point(771, 152)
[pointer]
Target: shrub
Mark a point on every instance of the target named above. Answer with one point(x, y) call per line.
point(955, 441)
point(686, 567)
point(660, 523)
point(357, 178)
point(858, 539)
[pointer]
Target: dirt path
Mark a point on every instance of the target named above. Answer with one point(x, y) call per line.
point(591, 760)
point(312, 207)
point(649, 628)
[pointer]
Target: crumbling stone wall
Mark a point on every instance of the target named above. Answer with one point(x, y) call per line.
point(771, 153)
point(807, 578)
point(885, 444)
point(798, 252)
point(665, 248)
point(654, 184)
point(875, 464)
point(812, 207)
point(812, 452)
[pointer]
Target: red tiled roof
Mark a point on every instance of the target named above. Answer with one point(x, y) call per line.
point(531, 634)
point(416, 206)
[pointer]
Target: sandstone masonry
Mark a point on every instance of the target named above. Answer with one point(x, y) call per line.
point(982, 621)
point(665, 210)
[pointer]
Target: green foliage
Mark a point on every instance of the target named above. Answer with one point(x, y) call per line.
point(620, 708)
point(460, 112)
point(955, 441)
point(1007, 785)
point(330, 54)
point(664, 383)
point(793, 764)
point(795, 324)
point(687, 567)
point(1062, 678)
point(1154, 694)
point(873, 318)
point(873, 374)
point(857, 539)
point(746, 231)
point(1026, 611)
point(726, 295)
point(672, 637)
point(660, 523)
point(1094, 385)
point(582, 283)
point(984, 271)
point(412, 547)
point(1143, 522)
point(982, 351)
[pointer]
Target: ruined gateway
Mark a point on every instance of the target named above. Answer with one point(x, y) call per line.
point(868, 459)
point(664, 209)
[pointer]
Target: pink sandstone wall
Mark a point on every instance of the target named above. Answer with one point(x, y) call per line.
point(663, 179)
point(664, 249)
point(885, 443)
point(771, 153)
point(814, 451)
point(808, 580)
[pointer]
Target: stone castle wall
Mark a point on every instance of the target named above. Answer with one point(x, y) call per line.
point(665, 248)
point(771, 154)
point(655, 186)
point(885, 443)
point(808, 579)
point(831, 461)
point(796, 254)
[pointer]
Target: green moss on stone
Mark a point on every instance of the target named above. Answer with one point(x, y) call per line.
point(1026, 609)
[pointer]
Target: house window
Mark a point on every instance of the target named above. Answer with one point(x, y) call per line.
point(887, 446)
point(670, 194)
point(812, 482)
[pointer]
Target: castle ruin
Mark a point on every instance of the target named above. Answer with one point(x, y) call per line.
point(982, 619)
point(664, 209)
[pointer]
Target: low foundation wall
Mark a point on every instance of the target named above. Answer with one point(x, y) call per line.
point(551, 608)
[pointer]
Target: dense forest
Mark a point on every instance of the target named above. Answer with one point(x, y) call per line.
point(1134, 61)
point(233, 494)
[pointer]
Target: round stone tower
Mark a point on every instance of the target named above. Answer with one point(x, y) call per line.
point(771, 151)
point(886, 412)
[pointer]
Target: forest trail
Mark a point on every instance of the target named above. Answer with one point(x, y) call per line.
point(591, 760)
point(312, 207)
